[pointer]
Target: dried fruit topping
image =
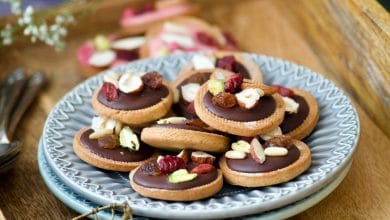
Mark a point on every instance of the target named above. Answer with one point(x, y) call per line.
point(169, 164)
point(196, 122)
point(181, 175)
point(224, 100)
point(185, 155)
point(257, 151)
point(279, 141)
point(108, 141)
point(242, 146)
point(153, 80)
point(202, 168)
point(151, 169)
point(109, 91)
point(283, 91)
point(226, 63)
point(206, 39)
point(233, 83)
point(202, 157)
point(191, 108)
point(232, 154)
point(215, 86)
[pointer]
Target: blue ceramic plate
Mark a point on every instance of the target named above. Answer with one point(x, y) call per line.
point(332, 145)
point(81, 205)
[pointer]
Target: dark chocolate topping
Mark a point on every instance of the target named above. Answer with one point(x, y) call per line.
point(249, 165)
point(182, 126)
point(263, 109)
point(161, 182)
point(293, 120)
point(180, 108)
point(146, 98)
point(116, 154)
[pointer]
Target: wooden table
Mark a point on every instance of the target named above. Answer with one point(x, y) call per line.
point(347, 41)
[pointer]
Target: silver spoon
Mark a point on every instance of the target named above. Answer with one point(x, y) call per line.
point(31, 90)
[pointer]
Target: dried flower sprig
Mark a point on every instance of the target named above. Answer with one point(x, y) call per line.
point(127, 212)
point(51, 34)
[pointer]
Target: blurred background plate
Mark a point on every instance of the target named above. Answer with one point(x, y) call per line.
point(332, 144)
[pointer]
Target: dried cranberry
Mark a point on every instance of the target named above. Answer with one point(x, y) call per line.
point(191, 108)
point(151, 169)
point(224, 100)
point(153, 80)
point(146, 8)
point(202, 168)
point(110, 92)
point(233, 83)
point(283, 91)
point(206, 39)
point(226, 63)
point(231, 43)
point(169, 164)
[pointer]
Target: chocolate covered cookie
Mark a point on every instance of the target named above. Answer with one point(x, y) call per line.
point(185, 177)
point(176, 133)
point(133, 99)
point(256, 164)
point(109, 145)
point(238, 106)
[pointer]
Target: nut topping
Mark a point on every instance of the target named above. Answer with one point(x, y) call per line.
point(185, 155)
point(242, 146)
point(276, 151)
point(276, 132)
point(129, 83)
point(100, 133)
point(248, 98)
point(201, 62)
point(257, 151)
point(172, 120)
point(102, 58)
point(112, 77)
point(129, 139)
point(224, 100)
point(189, 91)
point(280, 141)
point(232, 154)
point(202, 157)
point(290, 104)
point(109, 141)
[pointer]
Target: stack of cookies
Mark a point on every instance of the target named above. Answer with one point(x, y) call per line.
point(215, 122)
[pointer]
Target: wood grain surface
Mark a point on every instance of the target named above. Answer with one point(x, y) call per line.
point(346, 41)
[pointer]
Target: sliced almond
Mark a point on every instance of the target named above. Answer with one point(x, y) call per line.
point(242, 146)
point(248, 98)
point(257, 151)
point(276, 151)
point(188, 91)
point(129, 83)
point(98, 123)
point(100, 133)
point(268, 90)
point(172, 120)
point(232, 154)
point(185, 155)
point(202, 157)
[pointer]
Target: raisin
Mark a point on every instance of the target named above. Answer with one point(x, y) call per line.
point(110, 92)
point(191, 108)
point(153, 80)
point(151, 169)
point(108, 141)
point(233, 83)
point(169, 164)
point(206, 39)
point(283, 91)
point(224, 100)
point(226, 63)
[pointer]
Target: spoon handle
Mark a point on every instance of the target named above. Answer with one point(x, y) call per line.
point(11, 88)
point(31, 90)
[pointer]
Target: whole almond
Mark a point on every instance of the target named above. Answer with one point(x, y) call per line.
point(257, 151)
point(202, 157)
point(275, 151)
